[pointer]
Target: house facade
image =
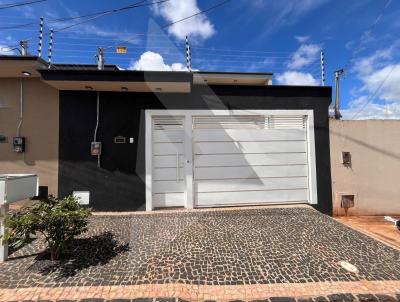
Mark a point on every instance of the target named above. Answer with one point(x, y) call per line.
point(138, 140)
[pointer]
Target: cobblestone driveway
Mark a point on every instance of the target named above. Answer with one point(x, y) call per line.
point(224, 247)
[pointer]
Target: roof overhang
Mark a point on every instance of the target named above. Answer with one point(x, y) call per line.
point(20, 66)
point(232, 78)
point(118, 80)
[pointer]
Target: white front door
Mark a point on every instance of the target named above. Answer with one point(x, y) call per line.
point(204, 158)
point(168, 155)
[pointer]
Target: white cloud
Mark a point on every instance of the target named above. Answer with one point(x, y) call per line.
point(296, 78)
point(385, 79)
point(361, 108)
point(305, 55)
point(366, 65)
point(197, 27)
point(5, 50)
point(379, 95)
point(154, 61)
point(302, 39)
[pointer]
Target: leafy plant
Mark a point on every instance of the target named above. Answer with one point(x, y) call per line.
point(57, 220)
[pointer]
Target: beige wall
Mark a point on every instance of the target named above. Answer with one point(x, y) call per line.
point(375, 172)
point(40, 127)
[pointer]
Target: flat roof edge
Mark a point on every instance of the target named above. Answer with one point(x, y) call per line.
point(114, 75)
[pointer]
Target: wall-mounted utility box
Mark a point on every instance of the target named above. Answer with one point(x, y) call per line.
point(95, 148)
point(82, 196)
point(3, 138)
point(19, 144)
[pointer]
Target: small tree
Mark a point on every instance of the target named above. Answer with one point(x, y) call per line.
point(58, 220)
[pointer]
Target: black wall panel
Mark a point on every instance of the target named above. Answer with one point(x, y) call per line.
point(119, 184)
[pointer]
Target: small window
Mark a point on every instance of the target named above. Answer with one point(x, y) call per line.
point(346, 158)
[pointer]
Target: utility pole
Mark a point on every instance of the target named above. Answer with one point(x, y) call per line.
point(40, 37)
point(322, 68)
point(338, 74)
point(100, 59)
point(188, 55)
point(24, 47)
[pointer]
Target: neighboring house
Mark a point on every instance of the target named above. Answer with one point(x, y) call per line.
point(372, 172)
point(168, 139)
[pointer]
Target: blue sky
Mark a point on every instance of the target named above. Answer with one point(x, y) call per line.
point(283, 37)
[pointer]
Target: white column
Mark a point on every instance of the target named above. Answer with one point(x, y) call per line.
point(149, 160)
point(3, 247)
point(188, 161)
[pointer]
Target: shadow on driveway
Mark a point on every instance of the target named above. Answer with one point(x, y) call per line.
point(80, 254)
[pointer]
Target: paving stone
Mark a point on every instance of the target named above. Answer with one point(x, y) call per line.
point(367, 298)
point(321, 299)
point(385, 298)
point(341, 297)
point(282, 299)
point(240, 247)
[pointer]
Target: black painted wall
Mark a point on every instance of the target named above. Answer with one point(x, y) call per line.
point(119, 185)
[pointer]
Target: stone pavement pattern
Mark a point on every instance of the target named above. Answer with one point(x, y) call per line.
point(277, 247)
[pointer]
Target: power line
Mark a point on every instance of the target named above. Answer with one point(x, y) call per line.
point(368, 29)
point(97, 15)
point(11, 5)
point(370, 98)
point(242, 51)
point(184, 19)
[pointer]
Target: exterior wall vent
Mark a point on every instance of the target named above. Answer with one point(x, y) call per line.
point(347, 201)
point(250, 122)
point(168, 123)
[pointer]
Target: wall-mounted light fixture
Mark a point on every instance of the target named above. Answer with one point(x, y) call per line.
point(26, 73)
point(124, 88)
point(158, 89)
point(88, 87)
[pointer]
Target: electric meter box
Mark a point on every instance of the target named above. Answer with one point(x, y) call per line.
point(95, 148)
point(19, 144)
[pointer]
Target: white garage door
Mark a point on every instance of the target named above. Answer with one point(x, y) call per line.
point(250, 159)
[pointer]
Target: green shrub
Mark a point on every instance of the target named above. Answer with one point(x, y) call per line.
point(57, 220)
